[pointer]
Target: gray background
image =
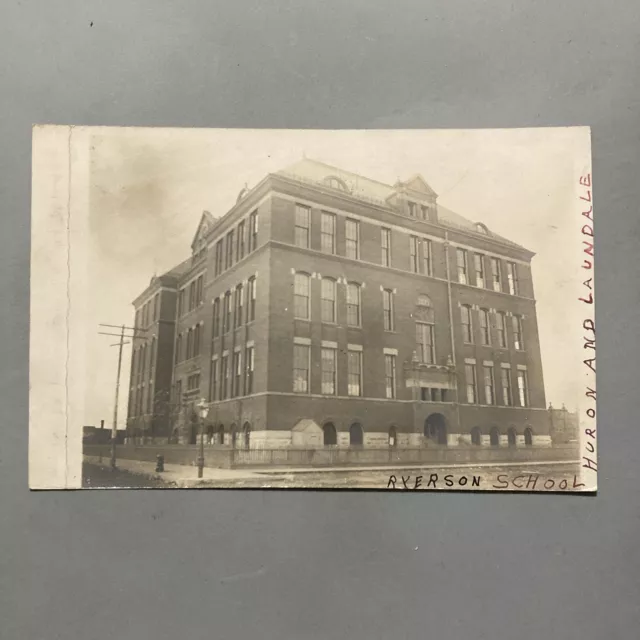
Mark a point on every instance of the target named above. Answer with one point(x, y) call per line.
point(318, 565)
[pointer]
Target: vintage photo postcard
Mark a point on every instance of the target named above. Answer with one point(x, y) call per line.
point(404, 310)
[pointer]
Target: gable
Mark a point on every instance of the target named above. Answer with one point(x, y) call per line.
point(418, 183)
point(206, 222)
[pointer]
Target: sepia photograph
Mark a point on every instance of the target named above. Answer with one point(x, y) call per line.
point(288, 309)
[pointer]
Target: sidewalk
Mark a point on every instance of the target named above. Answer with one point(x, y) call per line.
point(187, 475)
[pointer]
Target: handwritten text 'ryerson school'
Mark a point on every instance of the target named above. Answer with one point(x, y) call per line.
point(588, 324)
point(520, 482)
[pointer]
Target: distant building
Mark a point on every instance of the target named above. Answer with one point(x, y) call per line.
point(564, 426)
point(328, 309)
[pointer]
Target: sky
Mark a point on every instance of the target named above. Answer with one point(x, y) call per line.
point(149, 187)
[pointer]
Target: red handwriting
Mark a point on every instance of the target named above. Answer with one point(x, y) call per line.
point(589, 327)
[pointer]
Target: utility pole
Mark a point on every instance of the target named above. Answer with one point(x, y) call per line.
point(120, 344)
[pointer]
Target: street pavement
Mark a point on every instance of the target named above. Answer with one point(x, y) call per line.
point(532, 476)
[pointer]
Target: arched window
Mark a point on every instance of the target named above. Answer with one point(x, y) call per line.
point(328, 300)
point(221, 434)
point(356, 437)
point(330, 435)
point(494, 437)
point(511, 436)
point(393, 437)
point(246, 430)
point(210, 434)
point(336, 183)
point(435, 428)
point(476, 436)
point(528, 436)
point(301, 295)
point(482, 228)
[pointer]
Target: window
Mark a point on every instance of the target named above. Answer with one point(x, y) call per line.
point(199, 289)
point(301, 296)
point(328, 357)
point(412, 209)
point(329, 437)
point(387, 307)
point(238, 305)
point(470, 375)
point(192, 296)
point(328, 300)
point(240, 245)
point(328, 232)
point(501, 326)
point(302, 226)
point(178, 354)
point(249, 364)
point(512, 278)
point(476, 436)
point(336, 183)
point(488, 385)
point(218, 258)
point(523, 389)
point(251, 299)
point(237, 374)
point(213, 391)
point(528, 436)
point(226, 312)
point(386, 247)
point(461, 258)
point(354, 373)
point(224, 377)
point(353, 304)
point(413, 253)
point(390, 375)
point(517, 333)
point(152, 360)
point(505, 381)
point(301, 368)
point(478, 260)
point(189, 344)
point(196, 340)
point(425, 342)
point(467, 325)
point(496, 278)
point(216, 318)
point(155, 306)
point(253, 231)
point(427, 260)
point(485, 332)
point(424, 212)
point(229, 254)
point(352, 233)
point(356, 436)
point(393, 437)
point(149, 396)
point(193, 382)
point(136, 322)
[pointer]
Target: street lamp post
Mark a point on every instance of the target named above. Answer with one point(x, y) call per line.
point(202, 412)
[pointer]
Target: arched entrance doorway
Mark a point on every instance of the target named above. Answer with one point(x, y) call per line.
point(393, 437)
point(511, 436)
point(476, 436)
point(356, 436)
point(494, 437)
point(210, 434)
point(221, 434)
point(330, 437)
point(528, 436)
point(435, 428)
point(247, 435)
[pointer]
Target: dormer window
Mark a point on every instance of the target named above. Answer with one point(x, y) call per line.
point(482, 228)
point(336, 183)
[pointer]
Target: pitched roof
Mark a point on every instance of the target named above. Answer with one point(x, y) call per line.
point(314, 171)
